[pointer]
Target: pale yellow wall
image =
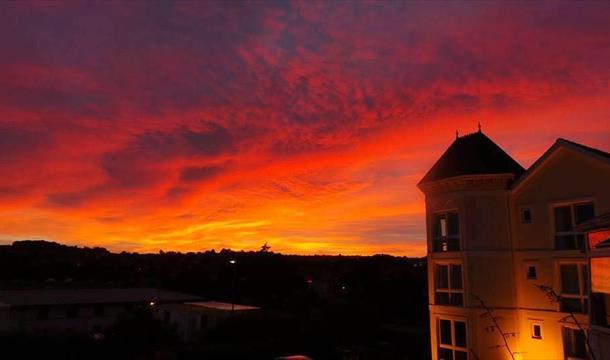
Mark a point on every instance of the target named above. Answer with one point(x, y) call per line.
point(485, 236)
point(483, 214)
point(487, 268)
point(567, 176)
point(446, 258)
point(486, 220)
point(528, 295)
point(490, 277)
point(490, 343)
point(446, 312)
point(482, 339)
point(550, 347)
point(547, 264)
point(497, 248)
point(440, 202)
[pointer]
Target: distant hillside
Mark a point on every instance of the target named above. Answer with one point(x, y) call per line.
point(321, 302)
point(261, 278)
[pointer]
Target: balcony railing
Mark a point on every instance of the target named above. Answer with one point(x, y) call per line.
point(444, 244)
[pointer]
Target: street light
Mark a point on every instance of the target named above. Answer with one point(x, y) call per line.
point(233, 262)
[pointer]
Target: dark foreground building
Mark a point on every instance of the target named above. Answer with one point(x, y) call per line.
point(77, 310)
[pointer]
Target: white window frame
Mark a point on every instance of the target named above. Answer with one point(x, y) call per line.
point(583, 295)
point(440, 238)
point(539, 324)
point(572, 204)
point(451, 347)
point(449, 290)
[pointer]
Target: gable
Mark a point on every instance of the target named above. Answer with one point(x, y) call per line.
point(566, 173)
point(578, 161)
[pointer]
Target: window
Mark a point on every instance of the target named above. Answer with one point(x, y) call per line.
point(446, 232)
point(452, 343)
point(536, 331)
point(573, 344)
point(526, 216)
point(566, 219)
point(532, 273)
point(574, 288)
point(449, 289)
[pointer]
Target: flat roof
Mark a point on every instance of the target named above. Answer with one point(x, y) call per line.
point(221, 305)
point(211, 305)
point(33, 297)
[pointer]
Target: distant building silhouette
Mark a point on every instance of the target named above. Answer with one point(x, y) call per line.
point(497, 234)
point(76, 310)
point(94, 311)
point(193, 319)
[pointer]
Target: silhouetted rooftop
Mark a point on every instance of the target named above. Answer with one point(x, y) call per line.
point(90, 296)
point(472, 154)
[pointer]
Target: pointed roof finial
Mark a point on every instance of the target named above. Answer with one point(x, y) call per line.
point(479, 126)
point(457, 134)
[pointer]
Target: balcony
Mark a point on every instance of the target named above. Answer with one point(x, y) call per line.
point(446, 232)
point(446, 244)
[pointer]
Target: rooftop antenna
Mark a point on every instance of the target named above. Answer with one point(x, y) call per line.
point(479, 126)
point(457, 134)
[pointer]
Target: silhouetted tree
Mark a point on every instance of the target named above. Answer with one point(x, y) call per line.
point(495, 325)
point(570, 319)
point(265, 248)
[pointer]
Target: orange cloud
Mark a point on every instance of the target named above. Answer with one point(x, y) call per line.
point(190, 126)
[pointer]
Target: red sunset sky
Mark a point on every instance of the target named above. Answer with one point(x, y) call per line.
point(189, 126)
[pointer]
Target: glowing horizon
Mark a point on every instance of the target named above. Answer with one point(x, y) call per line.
point(187, 126)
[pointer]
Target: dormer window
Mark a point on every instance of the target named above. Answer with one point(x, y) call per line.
point(446, 231)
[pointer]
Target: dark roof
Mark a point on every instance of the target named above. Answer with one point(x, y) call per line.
point(473, 154)
point(91, 296)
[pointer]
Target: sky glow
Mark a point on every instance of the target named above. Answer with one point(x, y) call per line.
point(188, 126)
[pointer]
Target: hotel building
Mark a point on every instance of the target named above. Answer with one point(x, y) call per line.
point(508, 259)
